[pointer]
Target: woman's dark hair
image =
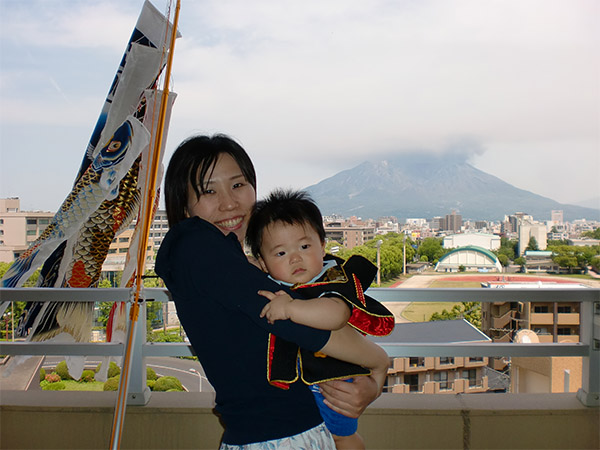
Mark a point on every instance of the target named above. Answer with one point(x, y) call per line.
point(192, 161)
point(287, 206)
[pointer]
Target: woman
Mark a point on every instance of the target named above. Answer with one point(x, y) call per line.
point(210, 189)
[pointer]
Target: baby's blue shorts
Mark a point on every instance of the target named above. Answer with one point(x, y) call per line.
point(336, 423)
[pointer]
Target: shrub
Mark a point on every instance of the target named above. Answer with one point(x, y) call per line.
point(113, 369)
point(59, 386)
point(164, 384)
point(42, 374)
point(52, 377)
point(150, 374)
point(150, 384)
point(63, 371)
point(112, 384)
point(87, 376)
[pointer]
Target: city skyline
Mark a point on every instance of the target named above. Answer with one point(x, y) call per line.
point(511, 87)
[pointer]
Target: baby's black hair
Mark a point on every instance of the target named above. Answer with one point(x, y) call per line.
point(287, 206)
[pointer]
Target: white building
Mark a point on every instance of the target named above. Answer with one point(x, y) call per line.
point(18, 229)
point(527, 230)
point(472, 258)
point(483, 240)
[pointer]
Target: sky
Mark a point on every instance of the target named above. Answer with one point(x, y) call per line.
point(312, 87)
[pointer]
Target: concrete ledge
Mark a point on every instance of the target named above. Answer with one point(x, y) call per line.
point(83, 420)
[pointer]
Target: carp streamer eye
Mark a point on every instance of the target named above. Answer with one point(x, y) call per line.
point(114, 146)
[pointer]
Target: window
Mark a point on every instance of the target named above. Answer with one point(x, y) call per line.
point(31, 232)
point(44, 221)
point(413, 382)
point(475, 358)
point(31, 221)
point(540, 309)
point(564, 310)
point(123, 250)
point(123, 239)
point(1, 221)
point(471, 375)
point(112, 250)
point(446, 360)
point(416, 361)
point(563, 331)
point(442, 379)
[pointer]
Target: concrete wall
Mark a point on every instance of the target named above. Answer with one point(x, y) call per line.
point(83, 420)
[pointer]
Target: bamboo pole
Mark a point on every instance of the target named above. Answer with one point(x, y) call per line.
point(148, 209)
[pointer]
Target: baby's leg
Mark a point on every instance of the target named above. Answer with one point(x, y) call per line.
point(352, 442)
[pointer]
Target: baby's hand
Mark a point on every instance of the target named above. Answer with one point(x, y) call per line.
point(278, 306)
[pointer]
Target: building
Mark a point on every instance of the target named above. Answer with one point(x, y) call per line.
point(18, 229)
point(436, 375)
point(349, 236)
point(556, 217)
point(550, 321)
point(529, 229)
point(540, 261)
point(543, 375)
point(452, 222)
point(117, 252)
point(436, 223)
point(471, 258)
point(483, 240)
point(584, 242)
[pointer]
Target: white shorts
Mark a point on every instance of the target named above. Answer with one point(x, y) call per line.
point(318, 437)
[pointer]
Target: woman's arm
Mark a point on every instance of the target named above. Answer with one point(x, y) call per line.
point(348, 345)
point(324, 313)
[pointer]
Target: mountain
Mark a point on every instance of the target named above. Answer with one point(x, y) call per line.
point(425, 186)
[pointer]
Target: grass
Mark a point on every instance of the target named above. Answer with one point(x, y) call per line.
point(72, 385)
point(422, 311)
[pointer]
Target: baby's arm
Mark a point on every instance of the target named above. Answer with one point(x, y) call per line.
point(348, 345)
point(324, 313)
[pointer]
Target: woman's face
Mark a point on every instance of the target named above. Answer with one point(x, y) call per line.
point(227, 198)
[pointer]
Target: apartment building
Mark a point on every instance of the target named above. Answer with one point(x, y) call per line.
point(349, 235)
point(436, 375)
point(18, 229)
point(452, 222)
point(550, 321)
point(117, 252)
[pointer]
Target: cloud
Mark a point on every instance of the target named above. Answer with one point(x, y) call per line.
point(321, 86)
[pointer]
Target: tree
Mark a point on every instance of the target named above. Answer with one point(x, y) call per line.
point(470, 311)
point(532, 245)
point(503, 260)
point(595, 234)
point(14, 311)
point(432, 249)
point(520, 261)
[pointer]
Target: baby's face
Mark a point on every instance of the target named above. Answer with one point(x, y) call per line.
point(292, 253)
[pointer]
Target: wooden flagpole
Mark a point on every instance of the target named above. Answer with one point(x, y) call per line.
point(146, 216)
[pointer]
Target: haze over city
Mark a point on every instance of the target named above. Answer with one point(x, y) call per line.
point(312, 88)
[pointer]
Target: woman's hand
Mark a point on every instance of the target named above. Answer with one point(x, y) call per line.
point(350, 399)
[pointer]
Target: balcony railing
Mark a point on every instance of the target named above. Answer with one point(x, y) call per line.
point(588, 348)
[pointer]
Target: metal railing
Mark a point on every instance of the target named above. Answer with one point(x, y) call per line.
point(588, 348)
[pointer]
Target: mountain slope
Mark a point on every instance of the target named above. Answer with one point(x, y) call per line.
point(429, 186)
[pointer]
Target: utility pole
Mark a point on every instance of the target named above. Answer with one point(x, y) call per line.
point(379, 242)
point(404, 253)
